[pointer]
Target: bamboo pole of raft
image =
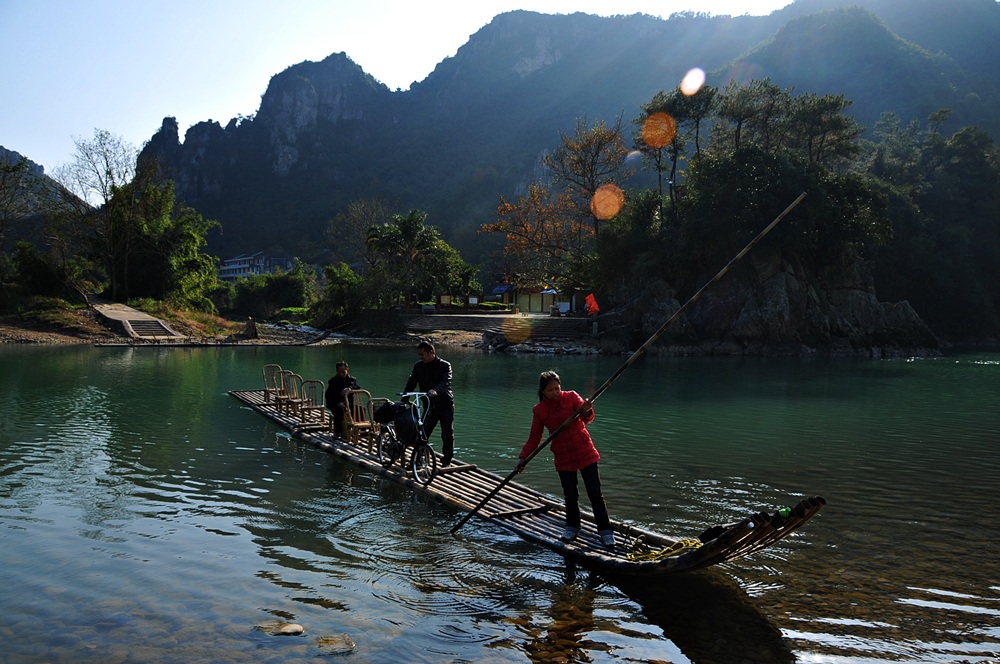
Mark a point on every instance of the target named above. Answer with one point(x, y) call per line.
point(631, 360)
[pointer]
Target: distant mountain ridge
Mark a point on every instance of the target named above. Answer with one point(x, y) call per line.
point(11, 157)
point(477, 127)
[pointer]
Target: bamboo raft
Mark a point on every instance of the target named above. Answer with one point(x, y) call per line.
point(540, 518)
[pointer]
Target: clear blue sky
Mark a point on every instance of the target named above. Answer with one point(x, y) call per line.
point(70, 66)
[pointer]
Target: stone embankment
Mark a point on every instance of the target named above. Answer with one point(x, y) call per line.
point(512, 333)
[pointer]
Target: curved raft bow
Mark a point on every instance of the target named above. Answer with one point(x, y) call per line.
point(719, 544)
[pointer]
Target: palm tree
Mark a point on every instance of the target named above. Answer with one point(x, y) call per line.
point(403, 241)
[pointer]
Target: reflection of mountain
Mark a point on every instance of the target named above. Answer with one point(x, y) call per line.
point(709, 618)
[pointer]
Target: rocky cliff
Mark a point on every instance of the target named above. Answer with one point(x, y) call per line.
point(769, 305)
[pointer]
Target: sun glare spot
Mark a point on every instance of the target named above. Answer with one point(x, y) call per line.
point(658, 130)
point(516, 330)
point(607, 201)
point(692, 81)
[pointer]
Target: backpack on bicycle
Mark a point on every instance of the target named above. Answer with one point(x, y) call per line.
point(406, 426)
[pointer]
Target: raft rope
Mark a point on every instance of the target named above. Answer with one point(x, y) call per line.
point(641, 552)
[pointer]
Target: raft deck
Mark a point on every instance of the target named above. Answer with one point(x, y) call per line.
point(540, 518)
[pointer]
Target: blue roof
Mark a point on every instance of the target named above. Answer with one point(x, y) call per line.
point(503, 288)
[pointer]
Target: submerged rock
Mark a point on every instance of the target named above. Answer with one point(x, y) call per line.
point(337, 644)
point(280, 628)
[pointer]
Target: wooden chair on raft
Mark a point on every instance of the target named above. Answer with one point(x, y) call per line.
point(374, 405)
point(290, 399)
point(272, 382)
point(278, 397)
point(312, 408)
point(358, 420)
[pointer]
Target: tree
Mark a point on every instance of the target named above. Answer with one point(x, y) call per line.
point(343, 290)
point(945, 201)
point(100, 168)
point(820, 130)
point(700, 107)
point(542, 232)
point(348, 231)
point(167, 261)
point(264, 295)
point(16, 183)
point(444, 271)
point(656, 141)
point(895, 156)
point(589, 158)
point(755, 113)
point(402, 243)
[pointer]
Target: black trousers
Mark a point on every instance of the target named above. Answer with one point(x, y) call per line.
point(592, 483)
point(445, 414)
point(338, 409)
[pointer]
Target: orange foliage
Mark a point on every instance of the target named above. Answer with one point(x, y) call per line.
point(541, 228)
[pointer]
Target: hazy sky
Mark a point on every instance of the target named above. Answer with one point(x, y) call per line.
point(70, 66)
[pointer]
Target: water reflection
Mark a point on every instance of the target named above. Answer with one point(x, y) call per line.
point(146, 516)
point(710, 618)
point(702, 618)
point(380, 538)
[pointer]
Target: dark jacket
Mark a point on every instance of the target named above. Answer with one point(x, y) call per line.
point(336, 385)
point(573, 448)
point(434, 375)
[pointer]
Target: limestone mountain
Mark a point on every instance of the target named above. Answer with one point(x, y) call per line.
point(476, 128)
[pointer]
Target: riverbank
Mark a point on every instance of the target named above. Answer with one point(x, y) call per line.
point(77, 327)
point(81, 327)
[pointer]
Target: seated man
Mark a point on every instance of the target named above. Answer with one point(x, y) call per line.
point(336, 395)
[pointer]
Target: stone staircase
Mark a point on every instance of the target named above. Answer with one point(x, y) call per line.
point(150, 328)
point(132, 323)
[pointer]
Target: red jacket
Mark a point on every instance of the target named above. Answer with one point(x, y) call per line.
point(573, 448)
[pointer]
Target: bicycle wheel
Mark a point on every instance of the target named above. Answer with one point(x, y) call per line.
point(424, 463)
point(389, 447)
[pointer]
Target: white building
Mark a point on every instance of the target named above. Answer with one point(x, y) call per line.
point(245, 265)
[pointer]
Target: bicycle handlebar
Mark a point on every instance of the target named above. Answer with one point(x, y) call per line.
point(422, 402)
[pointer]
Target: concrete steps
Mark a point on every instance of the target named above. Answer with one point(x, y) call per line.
point(150, 327)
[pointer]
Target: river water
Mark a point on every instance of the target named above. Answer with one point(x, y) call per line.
point(146, 516)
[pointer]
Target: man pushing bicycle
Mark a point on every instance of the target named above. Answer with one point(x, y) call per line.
point(433, 376)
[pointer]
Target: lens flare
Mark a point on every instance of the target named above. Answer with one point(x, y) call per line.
point(516, 330)
point(607, 201)
point(692, 81)
point(658, 130)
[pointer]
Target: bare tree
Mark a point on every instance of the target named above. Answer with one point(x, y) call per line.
point(348, 231)
point(98, 167)
point(99, 173)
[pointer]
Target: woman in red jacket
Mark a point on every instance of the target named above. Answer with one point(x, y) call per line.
point(573, 451)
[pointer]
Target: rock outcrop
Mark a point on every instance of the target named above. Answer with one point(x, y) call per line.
point(770, 305)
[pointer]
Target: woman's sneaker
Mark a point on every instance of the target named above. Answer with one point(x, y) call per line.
point(607, 539)
point(569, 534)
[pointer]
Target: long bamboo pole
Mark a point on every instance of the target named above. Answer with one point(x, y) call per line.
point(630, 361)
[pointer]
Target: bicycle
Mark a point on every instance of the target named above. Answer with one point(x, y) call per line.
point(392, 444)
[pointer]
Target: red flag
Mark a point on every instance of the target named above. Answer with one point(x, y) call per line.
point(592, 307)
